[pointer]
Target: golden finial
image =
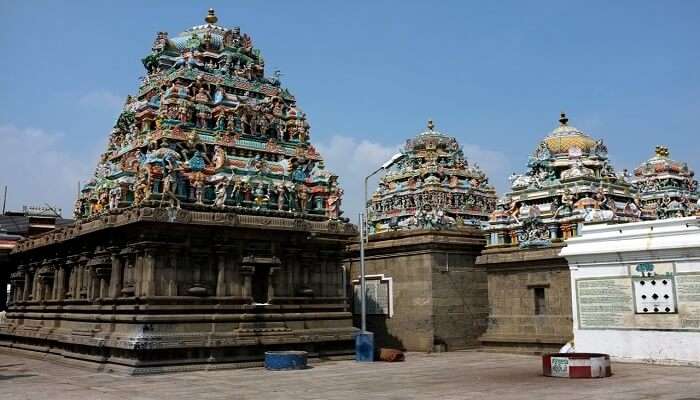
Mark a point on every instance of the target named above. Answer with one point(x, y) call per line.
point(562, 119)
point(211, 17)
point(662, 151)
point(430, 125)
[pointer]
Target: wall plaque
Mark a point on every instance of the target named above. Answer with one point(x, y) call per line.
point(379, 292)
point(646, 300)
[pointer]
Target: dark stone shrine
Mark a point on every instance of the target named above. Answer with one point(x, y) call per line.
point(210, 233)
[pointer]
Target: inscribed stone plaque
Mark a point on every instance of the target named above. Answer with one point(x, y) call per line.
point(611, 303)
point(604, 303)
point(688, 291)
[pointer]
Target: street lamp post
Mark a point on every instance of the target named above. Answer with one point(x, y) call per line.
point(364, 335)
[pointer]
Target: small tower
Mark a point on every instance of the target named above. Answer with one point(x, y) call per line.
point(667, 188)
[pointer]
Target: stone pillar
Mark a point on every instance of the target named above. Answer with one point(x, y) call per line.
point(246, 272)
point(221, 273)
point(28, 283)
point(59, 286)
point(128, 257)
point(35, 295)
point(138, 273)
point(149, 272)
point(306, 267)
point(236, 276)
point(98, 269)
point(18, 279)
point(70, 269)
point(172, 271)
point(116, 278)
point(83, 277)
point(290, 264)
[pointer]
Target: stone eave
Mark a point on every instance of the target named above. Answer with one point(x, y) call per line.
point(513, 257)
point(464, 239)
point(343, 231)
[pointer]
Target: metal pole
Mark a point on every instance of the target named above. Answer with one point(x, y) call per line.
point(4, 200)
point(364, 204)
point(363, 293)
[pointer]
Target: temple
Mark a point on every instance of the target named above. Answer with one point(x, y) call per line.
point(210, 232)
point(569, 182)
point(432, 186)
point(667, 188)
point(424, 291)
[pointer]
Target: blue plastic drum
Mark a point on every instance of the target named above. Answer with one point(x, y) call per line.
point(285, 360)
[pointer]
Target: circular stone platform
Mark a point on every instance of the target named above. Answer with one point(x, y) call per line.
point(576, 365)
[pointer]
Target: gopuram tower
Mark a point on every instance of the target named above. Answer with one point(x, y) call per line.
point(210, 233)
point(667, 188)
point(424, 292)
point(569, 181)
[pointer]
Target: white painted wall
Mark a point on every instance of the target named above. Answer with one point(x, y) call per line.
point(604, 251)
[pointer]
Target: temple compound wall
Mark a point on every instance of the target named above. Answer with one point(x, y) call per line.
point(437, 296)
point(636, 290)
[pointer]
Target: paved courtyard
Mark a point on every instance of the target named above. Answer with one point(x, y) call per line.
point(457, 375)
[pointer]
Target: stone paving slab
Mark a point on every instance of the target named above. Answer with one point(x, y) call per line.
point(443, 376)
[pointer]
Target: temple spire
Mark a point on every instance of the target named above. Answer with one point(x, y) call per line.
point(211, 17)
point(431, 126)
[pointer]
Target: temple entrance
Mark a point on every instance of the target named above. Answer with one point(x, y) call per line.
point(261, 283)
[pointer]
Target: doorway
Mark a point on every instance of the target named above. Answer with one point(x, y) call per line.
point(261, 283)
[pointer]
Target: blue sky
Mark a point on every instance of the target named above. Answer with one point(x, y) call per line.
point(368, 73)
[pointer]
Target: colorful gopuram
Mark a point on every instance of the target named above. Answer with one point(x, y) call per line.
point(210, 233)
point(424, 291)
point(432, 187)
point(569, 182)
point(667, 188)
point(208, 131)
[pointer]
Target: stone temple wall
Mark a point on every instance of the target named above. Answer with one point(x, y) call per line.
point(434, 303)
point(516, 323)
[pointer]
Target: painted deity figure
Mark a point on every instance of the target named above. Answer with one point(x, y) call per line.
point(236, 192)
point(260, 196)
point(115, 195)
point(219, 158)
point(202, 96)
point(567, 203)
point(303, 196)
point(198, 186)
point(298, 175)
point(281, 197)
point(234, 123)
point(221, 122)
point(197, 162)
point(291, 198)
point(140, 192)
point(170, 188)
point(333, 203)
point(221, 189)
